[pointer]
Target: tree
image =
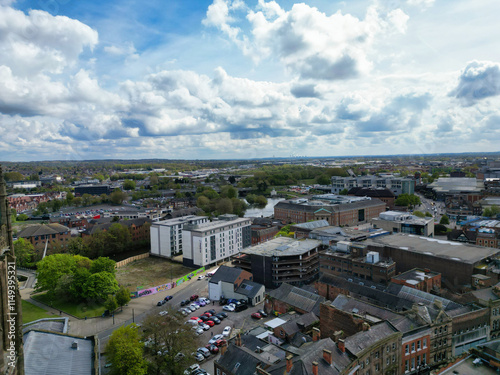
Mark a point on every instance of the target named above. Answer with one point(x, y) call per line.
point(344, 192)
point(13, 176)
point(22, 217)
point(111, 304)
point(323, 180)
point(231, 179)
point(167, 336)
point(492, 211)
point(99, 285)
point(25, 252)
point(228, 191)
point(77, 283)
point(117, 197)
point(103, 264)
point(122, 296)
point(444, 220)
point(224, 206)
point(261, 201)
point(407, 200)
point(128, 185)
point(52, 268)
point(419, 214)
point(428, 214)
point(125, 351)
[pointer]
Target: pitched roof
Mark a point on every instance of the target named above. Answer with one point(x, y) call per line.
point(249, 288)
point(238, 361)
point(360, 341)
point(42, 230)
point(298, 297)
point(226, 274)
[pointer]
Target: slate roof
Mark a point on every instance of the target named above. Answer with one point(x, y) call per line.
point(42, 230)
point(358, 342)
point(249, 288)
point(312, 224)
point(297, 297)
point(371, 192)
point(238, 361)
point(226, 274)
point(311, 352)
point(106, 225)
point(293, 326)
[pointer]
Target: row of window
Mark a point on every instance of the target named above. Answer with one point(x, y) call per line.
point(415, 362)
point(421, 344)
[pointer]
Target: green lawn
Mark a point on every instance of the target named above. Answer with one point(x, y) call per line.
point(32, 312)
point(80, 310)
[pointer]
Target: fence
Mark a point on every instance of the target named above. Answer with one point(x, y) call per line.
point(131, 259)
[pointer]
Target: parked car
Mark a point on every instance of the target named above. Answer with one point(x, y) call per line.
point(185, 302)
point(161, 303)
point(204, 318)
point(206, 313)
point(262, 313)
point(178, 357)
point(163, 313)
point(196, 307)
point(204, 326)
point(220, 342)
point(256, 315)
point(204, 351)
point(212, 311)
point(219, 316)
point(214, 349)
point(196, 319)
point(215, 338)
point(209, 322)
point(201, 277)
point(222, 313)
point(206, 300)
point(194, 297)
point(200, 303)
point(199, 357)
point(198, 330)
point(191, 308)
point(168, 298)
point(243, 301)
point(191, 369)
point(183, 312)
point(240, 307)
point(222, 301)
point(228, 308)
point(231, 300)
point(227, 331)
point(214, 319)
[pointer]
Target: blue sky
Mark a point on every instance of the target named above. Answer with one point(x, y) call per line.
point(245, 79)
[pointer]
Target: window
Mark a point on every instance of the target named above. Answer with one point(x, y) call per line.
point(424, 360)
point(393, 358)
point(367, 361)
point(407, 349)
point(425, 343)
point(407, 366)
point(377, 367)
point(388, 361)
point(393, 346)
point(218, 371)
point(418, 345)
point(376, 354)
point(412, 346)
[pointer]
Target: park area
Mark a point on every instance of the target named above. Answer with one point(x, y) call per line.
point(32, 312)
point(149, 272)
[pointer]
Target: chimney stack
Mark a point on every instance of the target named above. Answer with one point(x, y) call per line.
point(341, 345)
point(238, 340)
point(327, 355)
point(316, 334)
point(315, 368)
point(289, 363)
point(223, 349)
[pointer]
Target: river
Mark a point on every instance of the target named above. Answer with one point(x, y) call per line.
point(266, 211)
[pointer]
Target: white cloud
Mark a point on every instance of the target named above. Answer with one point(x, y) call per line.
point(479, 80)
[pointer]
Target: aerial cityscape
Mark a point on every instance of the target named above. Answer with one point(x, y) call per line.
point(235, 187)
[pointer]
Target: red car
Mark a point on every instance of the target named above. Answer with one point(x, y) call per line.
point(194, 297)
point(256, 315)
point(213, 348)
point(207, 314)
point(210, 323)
point(220, 343)
point(196, 318)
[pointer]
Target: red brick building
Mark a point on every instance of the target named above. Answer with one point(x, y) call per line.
point(421, 279)
point(40, 234)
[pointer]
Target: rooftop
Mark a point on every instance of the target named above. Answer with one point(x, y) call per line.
point(360, 341)
point(179, 220)
point(282, 246)
point(210, 225)
point(416, 275)
point(457, 251)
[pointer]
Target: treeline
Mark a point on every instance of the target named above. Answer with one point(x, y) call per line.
point(225, 202)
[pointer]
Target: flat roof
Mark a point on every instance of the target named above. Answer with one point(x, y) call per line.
point(416, 275)
point(434, 247)
point(179, 220)
point(282, 246)
point(49, 353)
point(217, 224)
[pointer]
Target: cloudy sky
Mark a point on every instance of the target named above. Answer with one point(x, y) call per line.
point(228, 79)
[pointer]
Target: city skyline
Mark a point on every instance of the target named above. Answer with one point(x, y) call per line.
point(247, 79)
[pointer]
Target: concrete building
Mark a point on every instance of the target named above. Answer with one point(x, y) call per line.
point(207, 243)
point(282, 260)
point(403, 222)
point(398, 185)
point(445, 186)
point(336, 210)
point(456, 262)
point(166, 235)
point(384, 194)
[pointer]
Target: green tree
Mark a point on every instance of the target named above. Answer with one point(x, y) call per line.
point(261, 201)
point(344, 192)
point(128, 185)
point(419, 214)
point(228, 191)
point(111, 304)
point(492, 211)
point(166, 337)
point(444, 220)
point(125, 352)
point(22, 217)
point(13, 176)
point(224, 206)
point(99, 285)
point(428, 214)
point(52, 268)
point(77, 283)
point(407, 200)
point(251, 198)
point(323, 180)
point(122, 296)
point(77, 246)
point(86, 199)
point(103, 264)
point(117, 197)
point(25, 252)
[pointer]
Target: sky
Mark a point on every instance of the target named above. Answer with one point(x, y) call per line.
point(234, 79)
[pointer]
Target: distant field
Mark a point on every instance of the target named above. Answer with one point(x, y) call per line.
point(32, 312)
point(149, 272)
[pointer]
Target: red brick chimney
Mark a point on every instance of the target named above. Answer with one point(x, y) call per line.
point(341, 345)
point(327, 355)
point(238, 340)
point(223, 349)
point(289, 363)
point(316, 334)
point(315, 368)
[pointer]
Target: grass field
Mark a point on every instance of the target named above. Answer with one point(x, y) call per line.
point(80, 310)
point(32, 312)
point(149, 272)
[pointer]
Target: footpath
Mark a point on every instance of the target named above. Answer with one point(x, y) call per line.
point(134, 311)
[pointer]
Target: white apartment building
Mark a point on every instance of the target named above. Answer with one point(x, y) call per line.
point(207, 243)
point(166, 235)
